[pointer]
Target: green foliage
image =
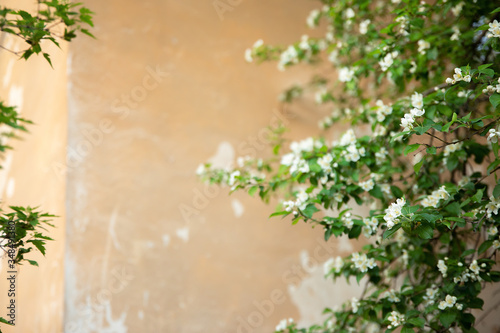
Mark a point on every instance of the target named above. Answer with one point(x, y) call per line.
point(419, 85)
point(47, 23)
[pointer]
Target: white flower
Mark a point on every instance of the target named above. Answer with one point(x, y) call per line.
point(448, 302)
point(417, 112)
point(363, 26)
point(382, 110)
point(354, 304)
point(391, 295)
point(474, 267)
point(417, 100)
point(493, 135)
point(457, 9)
point(258, 44)
point(290, 55)
point(456, 33)
point(492, 231)
point(325, 162)
point(496, 244)
point(458, 74)
point(313, 18)
point(396, 319)
point(494, 29)
point(423, 46)
point(442, 267)
point(283, 324)
point(433, 199)
point(407, 122)
point(232, 177)
point(349, 13)
point(248, 55)
point(430, 295)
point(336, 264)
point(345, 74)
point(393, 212)
point(288, 205)
point(368, 185)
point(200, 169)
point(386, 62)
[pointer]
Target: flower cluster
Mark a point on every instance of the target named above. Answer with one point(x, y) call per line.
point(443, 269)
point(493, 135)
point(458, 76)
point(471, 273)
point(492, 206)
point(430, 295)
point(283, 324)
point(433, 199)
point(387, 61)
point(250, 53)
point(492, 89)
point(396, 319)
point(494, 30)
point(382, 110)
point(393, 212)
point(333, 263)
point(391, 296)
point(417, 111)
point(449, 302)
point(362, 262)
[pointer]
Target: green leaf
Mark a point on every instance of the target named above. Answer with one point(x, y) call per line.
point(39, 245)
point(496, 10)
point(419, 322)
point(389, 232)
point(424, 231)
point(355, 231)
point(447, 318)
point(418, 166)
point(478, 196)
point(252, 190)
point(406, 329)
point(496, 191)
point(32, 262)
point(453, 208)
point(396, 191)
point(47, 57)
point(484, 247)
point(495, 100)
point(3, 320)
point(411, 148)
point(310, 210)
point(279, 213)
point(431, 150)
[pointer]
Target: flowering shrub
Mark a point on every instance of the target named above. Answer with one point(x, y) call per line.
point(420, 86)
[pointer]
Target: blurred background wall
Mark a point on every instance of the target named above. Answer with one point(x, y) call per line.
point(122, 122)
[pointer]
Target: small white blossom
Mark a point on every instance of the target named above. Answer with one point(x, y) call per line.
point(363, 26)
point(283, 324)
point(494, 30)
point(312, 19)
point(386, 62)
point(423, 45)
point(442, 267)
point(396, 319)
point(367, 185)
point(448, 302)
point(346, 74)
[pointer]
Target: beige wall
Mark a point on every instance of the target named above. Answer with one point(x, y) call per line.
point(27, 178)
point(188, 260)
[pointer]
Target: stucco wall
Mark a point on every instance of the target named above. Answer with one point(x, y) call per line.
point(150, 249)
point(27, 178)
